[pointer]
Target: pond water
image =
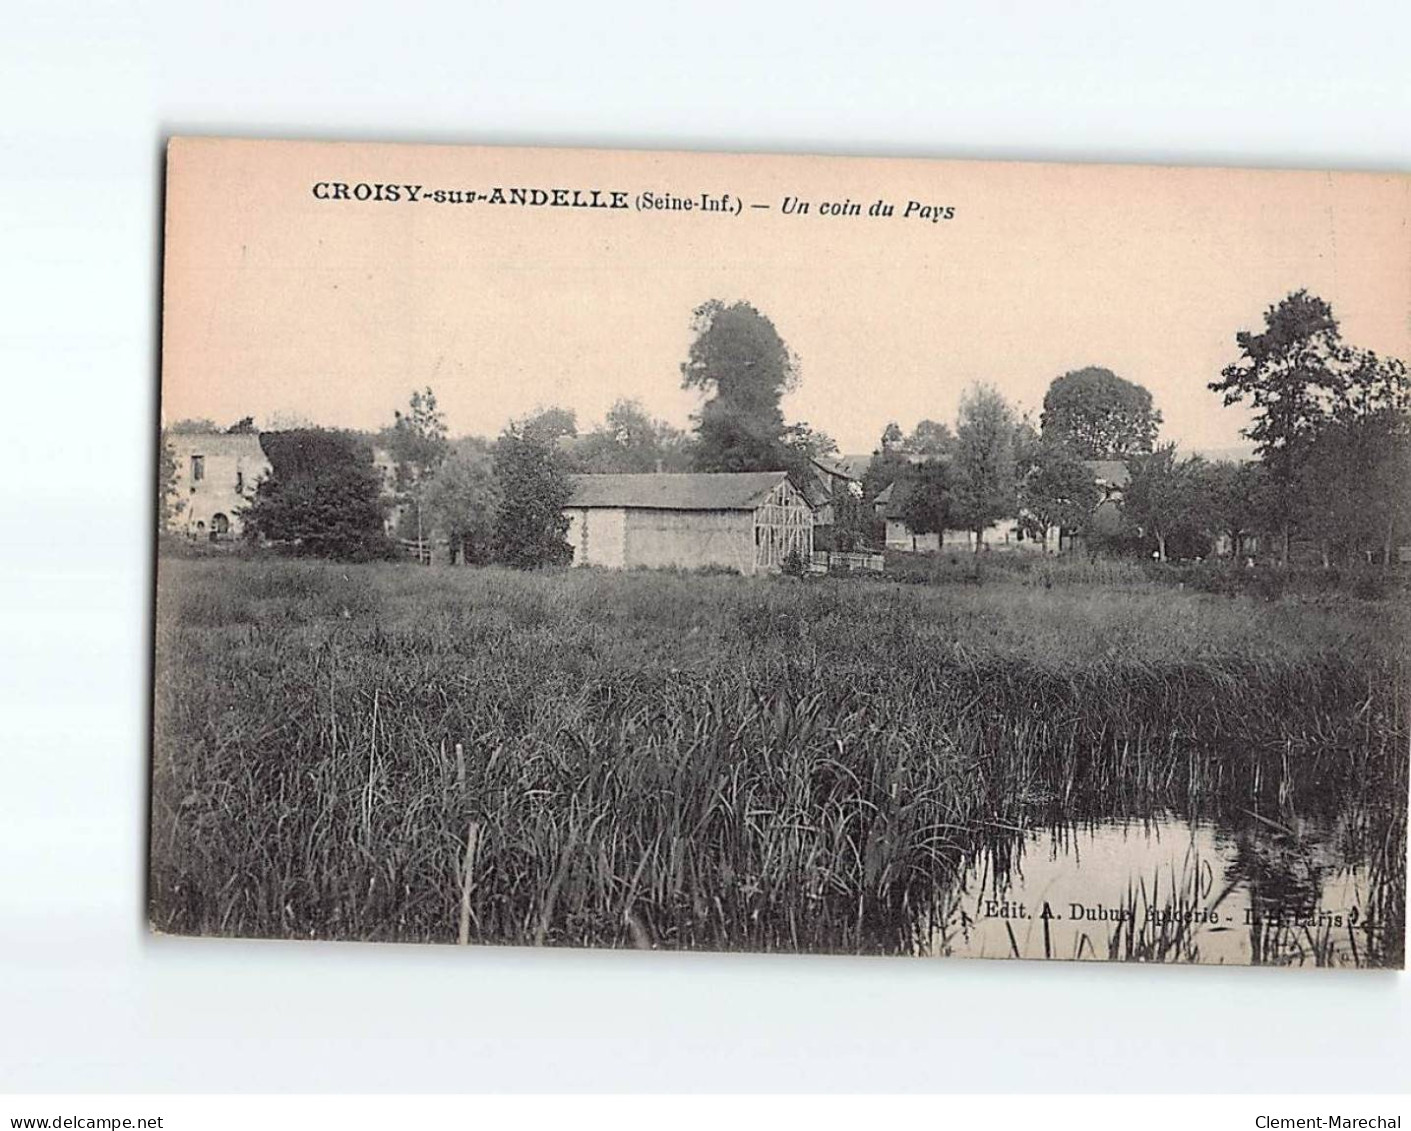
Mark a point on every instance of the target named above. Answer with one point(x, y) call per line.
point(1243, 889)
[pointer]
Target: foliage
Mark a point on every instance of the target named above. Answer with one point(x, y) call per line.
point(1099, 415)
point(322, 496)
point(852, 521)
point(984, 488)
point(417, 444)
point(530, 525)
point(553, 425)
point(169, 505)
point(1353, 484)
point(1331, 424)
point(1056, 490)
point(1291, 374)
point(928, 497)
point(631, 441)
point(1163, 498)
point(245, 426)
point(741, 364)
point(462, 501)
point(885, 468)
point(931, 438)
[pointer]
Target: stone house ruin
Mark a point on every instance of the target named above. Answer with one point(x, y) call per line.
point(216, 473)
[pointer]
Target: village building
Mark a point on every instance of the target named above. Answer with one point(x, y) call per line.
point(827, 480)
point(216, 473)
point(1110, 476)
point(747, 521)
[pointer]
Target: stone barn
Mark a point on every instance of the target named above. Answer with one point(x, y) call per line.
point(748, 521)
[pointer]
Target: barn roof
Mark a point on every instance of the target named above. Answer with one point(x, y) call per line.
point(714, 491)
point(893, 499)
point(833, 467)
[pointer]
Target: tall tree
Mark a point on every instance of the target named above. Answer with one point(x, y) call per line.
point(322, 496)
point(417, 443)
point(742, 366)
point(530, 525)
point(892, 438)
point(463, 499)
point(1099, 415)
point(1292, 374)
point(984, 461)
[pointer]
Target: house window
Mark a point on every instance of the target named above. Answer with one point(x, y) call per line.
point(198, 468)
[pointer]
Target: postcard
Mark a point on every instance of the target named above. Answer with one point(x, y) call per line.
point(691, 551)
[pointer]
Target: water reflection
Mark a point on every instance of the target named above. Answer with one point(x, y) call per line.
point(1242, 889)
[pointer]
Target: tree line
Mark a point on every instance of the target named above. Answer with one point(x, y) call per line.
point(1330, 425)
point(1332, 436)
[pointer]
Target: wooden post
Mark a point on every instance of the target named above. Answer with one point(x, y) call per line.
point(472, 842)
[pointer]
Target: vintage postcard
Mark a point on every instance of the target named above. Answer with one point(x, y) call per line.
point(710, 552)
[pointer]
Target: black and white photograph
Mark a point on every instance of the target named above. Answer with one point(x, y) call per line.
point(745, 553)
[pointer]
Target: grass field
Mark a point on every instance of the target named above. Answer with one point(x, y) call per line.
point(712, 761)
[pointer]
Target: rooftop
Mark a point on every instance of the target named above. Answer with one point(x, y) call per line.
point(716, 491)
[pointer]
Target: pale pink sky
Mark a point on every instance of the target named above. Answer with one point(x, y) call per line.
point(278, 303)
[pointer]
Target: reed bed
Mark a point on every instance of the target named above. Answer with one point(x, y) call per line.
point(664, 760)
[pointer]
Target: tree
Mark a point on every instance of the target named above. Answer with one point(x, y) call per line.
point(1099, 415)
point(852, 520)
point(462, 501)
point(741, 364)
point(1354, 484)
point(168, 504)
point(984, 461)
point(551, 425)
point(630, 441)
point(1162, 499)
point(245, 426)
point(1056, 490)
point(930, 438)
point(321, 497)
point(886, 467)
point(929, 499)
point(892, 439)
point(417, 444)
point(530, 525)
point(1292, 374)
point(1226, 500)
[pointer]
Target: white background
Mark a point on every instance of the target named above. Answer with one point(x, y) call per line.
point(87, 94)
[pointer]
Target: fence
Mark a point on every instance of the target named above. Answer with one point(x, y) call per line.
point(836, 561)
point(417, 549)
